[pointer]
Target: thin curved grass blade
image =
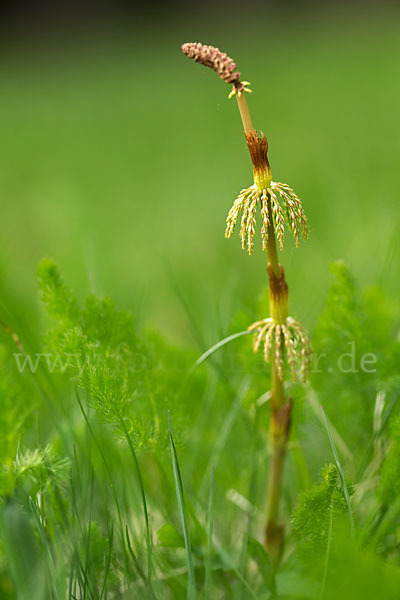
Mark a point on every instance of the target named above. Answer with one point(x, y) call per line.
point(191, 594)
point(217, 346)
point(341, 473)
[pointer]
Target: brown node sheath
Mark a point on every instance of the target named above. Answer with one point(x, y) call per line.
point(280, 422)
point(274, 538)
point(278, 288)
point(258, 147)
point(212, 57)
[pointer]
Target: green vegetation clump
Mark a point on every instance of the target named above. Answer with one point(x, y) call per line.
point(105, 510)
point(131, 381)
point(315, 516)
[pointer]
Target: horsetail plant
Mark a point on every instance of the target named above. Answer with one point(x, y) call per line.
point(284, 339)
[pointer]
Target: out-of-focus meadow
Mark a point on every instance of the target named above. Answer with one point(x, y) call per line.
point(121, 159)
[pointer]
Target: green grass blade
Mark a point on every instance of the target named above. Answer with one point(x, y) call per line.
point(225, 431)
point(327, 553)
point(110, 479)
point(341, 473)
point(197, 332)
point(45, 546)
point(83, 581)
point(210, 517)
point(339, 441)
point(243, 555)
point(260, 556)
point(182, 512)
point(107, 564)
point(132, 554)
point(144, 504)
point(226, 559)
point(89, 531)
point(388, 520)
point(217, 346)
point(376, 435)
point(22, 555)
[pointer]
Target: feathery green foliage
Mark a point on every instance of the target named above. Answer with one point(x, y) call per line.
point(390, 476)
point(355, 357)
point(131, 381)
point(18, 400)
point(35, 470)
point(316, 506)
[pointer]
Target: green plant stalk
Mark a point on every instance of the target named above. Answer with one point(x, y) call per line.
point(149, 543)
point(280, 407)
point(280, 332)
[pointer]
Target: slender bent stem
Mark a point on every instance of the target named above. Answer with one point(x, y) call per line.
point(272, 252)
point(244, 112)
point(280, 406)
point(279, 427)
point(144, 502)
point(278, 394)
point(278, 436)
point(275, 484)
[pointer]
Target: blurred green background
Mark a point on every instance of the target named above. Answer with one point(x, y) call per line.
point(120, 158)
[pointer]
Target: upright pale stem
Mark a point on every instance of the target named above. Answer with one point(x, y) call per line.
point(244, 112)
point(280, 407)
point(279, 427)
point(272, 252)
point(278, 437)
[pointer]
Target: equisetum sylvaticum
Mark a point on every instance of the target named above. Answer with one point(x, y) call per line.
point(284, 341)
